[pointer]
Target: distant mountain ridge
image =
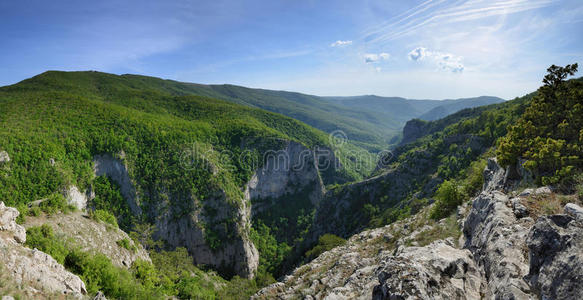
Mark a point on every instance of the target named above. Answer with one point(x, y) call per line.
point(369, 121)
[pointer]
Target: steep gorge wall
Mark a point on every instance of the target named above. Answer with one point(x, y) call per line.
point(290, 171)
point(287, 172)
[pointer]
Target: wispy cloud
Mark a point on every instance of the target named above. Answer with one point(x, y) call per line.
point(340, 43)
point(436, 12)
point(444, 61)
point(373, 57)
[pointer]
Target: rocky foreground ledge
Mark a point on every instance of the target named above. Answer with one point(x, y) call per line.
point(507, 250)
point(31, 270)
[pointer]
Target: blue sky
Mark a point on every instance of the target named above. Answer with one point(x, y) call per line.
point(417, 49)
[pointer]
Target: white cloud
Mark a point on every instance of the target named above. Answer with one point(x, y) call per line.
point(418, 53)
point(374, 58)
point(444, 61)
point(340, 43)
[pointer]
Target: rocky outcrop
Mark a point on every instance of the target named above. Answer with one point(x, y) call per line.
point(497, 240)
point(287, 172)
point(236, 255)
point(116, 169)
point(4, 157)
point(8, 225)
point(93, 236)
point(556, 258)
point(413, 130)
point(505, 254)
point(76, 198)
point(31, 267)
point(436, 271)
point(352, 271)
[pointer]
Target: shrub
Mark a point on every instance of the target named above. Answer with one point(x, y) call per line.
point(104, 216)
point(43, 239)
point(474, 178)
point(325, 242)
point(448, 198)
point(126, 244)
point(54, 203)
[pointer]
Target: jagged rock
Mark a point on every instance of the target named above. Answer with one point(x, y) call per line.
point(99, 296)
point(556, 258)
point(36, 267)
point(520, 211)
point(8, 223)
point(436, 271)
point(494, 176)
point(32, 267)
point(497, 239)
point(4, 157)
point(545, 190)
point(93, 236)
point(574, 211)
point(526, 192)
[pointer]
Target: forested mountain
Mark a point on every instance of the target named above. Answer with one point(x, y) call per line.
point(371, 122)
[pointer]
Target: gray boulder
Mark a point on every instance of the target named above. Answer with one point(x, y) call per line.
point(556, 257)
point(520, 211)
point(4, 157)
point(574, 211)
point(8, 223)
point(436, 271)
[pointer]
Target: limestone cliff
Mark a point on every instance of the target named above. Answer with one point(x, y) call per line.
point(285, 173)
point(290, 171)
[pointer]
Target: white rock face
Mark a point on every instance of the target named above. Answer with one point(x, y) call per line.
point(497, 239)
point(287, 172)
point(8, 223)
point(4, 157)
point(31, 267)
point(238, 254)
point(574, 210)
point(117, 170)
point(76, 198)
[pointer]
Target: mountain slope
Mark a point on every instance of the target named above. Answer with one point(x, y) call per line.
point(367, 121)
point(153, 156)
point(451, 106)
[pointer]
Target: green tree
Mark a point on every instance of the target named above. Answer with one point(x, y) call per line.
point(448, 198)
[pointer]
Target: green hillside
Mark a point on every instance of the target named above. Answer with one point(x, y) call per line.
point(177, 147)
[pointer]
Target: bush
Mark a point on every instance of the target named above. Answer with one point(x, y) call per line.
point(104, 216)
point(325, 242)
point(448, 198)
point(43, 239)
point(474, 178)
point(55, 203)
point(126, 244)
point(579, 186)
